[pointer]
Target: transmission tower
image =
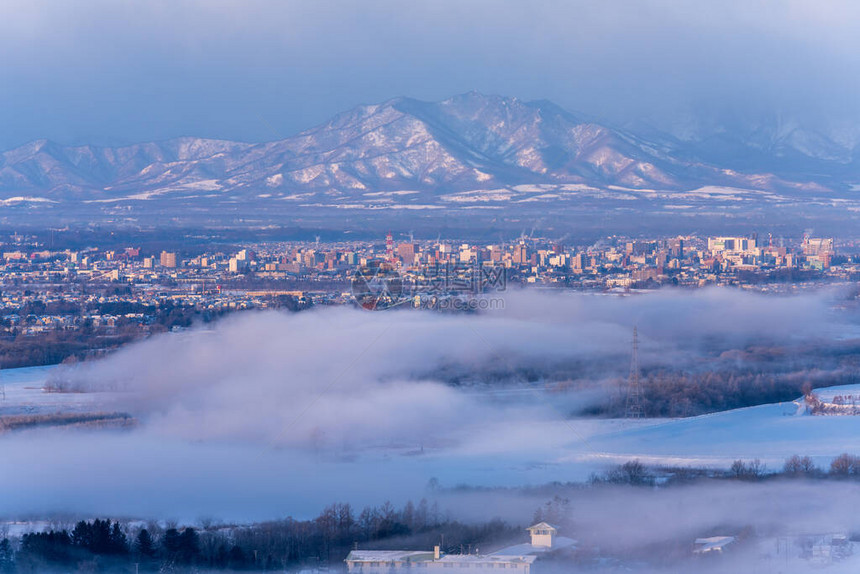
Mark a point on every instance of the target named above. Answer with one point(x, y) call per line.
point(634, 409)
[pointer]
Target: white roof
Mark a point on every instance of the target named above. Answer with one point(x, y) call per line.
point(542, 526)
point(388, 555)
point(713, 543)
point(528, 548)
point(484, 559)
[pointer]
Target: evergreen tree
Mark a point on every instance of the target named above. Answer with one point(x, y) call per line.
point(237, 559)
point(7, 557)
point(189, 546)
point(171, 543)
point(118, 540)
point(144, 545)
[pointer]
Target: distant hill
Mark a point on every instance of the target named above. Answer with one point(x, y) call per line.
point(469, 151)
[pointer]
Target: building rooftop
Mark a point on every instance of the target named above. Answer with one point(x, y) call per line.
point(712, 543)
point(542, 526)
point(487, 559)
point(389, 555)
point(528, 548)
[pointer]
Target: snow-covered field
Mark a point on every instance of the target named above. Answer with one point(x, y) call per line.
point(22, 392)
point(771, 433)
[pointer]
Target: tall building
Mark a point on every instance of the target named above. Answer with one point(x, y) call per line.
point(578, 262)
point(818, 246)
point(639, 247)
point(520, 254)
point(676, 247)
point(168, 259)
point(731, 245)
point(406, 252)
point(236, 265)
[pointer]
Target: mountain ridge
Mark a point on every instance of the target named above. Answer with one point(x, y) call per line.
point(466, 143)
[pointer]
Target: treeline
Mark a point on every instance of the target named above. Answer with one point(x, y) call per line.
point(92, 420)
point(105, 546)
point(49, 347)
point(681, 394)
point(633, 473)
point(18, 348)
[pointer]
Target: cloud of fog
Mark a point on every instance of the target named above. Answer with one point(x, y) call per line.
point(319, 405)
point(659, 526)
point(342, 377)
point(629, 517)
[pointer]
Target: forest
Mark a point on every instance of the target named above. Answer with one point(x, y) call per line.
point(102, 545)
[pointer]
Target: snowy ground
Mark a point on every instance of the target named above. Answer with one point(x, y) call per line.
point(771, 433)
point(22, 392)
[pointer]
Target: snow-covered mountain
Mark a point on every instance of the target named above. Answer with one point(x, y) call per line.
point(468, 142)
point(766, 141)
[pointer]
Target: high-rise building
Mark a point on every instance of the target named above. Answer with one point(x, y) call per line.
point(817, 246)
point(676, 247)
point(578, 262)
point(406, 252)
point(639, 247)
point(731, 244)
point(236, 265)
point(168, 259)
point(521, 254)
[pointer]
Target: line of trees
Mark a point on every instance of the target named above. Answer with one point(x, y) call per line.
point(634, 473)
point(680, 394)
point(105, 546)
point(19, 348)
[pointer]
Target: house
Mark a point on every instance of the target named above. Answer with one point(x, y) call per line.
point(542, 534)
point(517, 559)
point(378, 561)
point(544, 538)
point(712, 544)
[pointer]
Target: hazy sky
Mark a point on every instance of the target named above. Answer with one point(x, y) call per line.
point(105, 71)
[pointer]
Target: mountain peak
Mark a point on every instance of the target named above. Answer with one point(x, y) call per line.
point(468, 142)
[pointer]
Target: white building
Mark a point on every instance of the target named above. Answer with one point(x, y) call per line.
point(733, 245)
point(542, 534)
point(715, 544)
point(389, 561)
point(543, 538)
point(513, 559)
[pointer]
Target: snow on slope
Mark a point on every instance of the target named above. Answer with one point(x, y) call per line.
point(466, 143)
point(22, 392)
point(771, 433)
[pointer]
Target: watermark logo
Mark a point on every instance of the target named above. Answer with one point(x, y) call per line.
point(378, 287)
point(449, 286)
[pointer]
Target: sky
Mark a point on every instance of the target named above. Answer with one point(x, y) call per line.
point(106, 72)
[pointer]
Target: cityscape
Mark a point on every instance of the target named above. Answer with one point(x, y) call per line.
point(454, 286)
point(112, 296)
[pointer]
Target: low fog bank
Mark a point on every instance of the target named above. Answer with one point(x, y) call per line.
point(623, 518)
point(271, 414)
point(647, 530)
point(341, 377)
